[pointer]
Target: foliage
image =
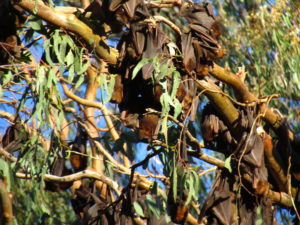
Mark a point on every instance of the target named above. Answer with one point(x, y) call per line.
point(81, 89)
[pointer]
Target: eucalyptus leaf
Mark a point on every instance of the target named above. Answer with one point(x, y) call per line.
point(138, 209)
point(228, 164)
point(36, 24)
point(191, 190)
point(79, 82)
point(140, 65)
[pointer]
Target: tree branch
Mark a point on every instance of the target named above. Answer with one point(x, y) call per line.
point(105, 153)
point(6, 115)
point(76, 176)
point(6, 216)
point(90, 103)
point(7, 156)
point(221, 103)
point(168, 22)
point(71, 23)
point(244, 95)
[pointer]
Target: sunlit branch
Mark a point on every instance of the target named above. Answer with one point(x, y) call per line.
point(90, 95)
point(98, 105)
point(166, 21)
point(198, 154)
point(76, 176)
point(86, 102)
point(4, 101)
point(85, 3)
point(220, 102)
point(7, 156)
point(273, 166)
point(71, 23)
point(207, 171)
point(6, 216)
point(164, 3)
point(244, 95)
point(191, 220)
point(103, 151)
point(281, 198)
point(7, 115)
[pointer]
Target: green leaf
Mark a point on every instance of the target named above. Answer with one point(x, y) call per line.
point(68, 154)
point(5, 171)
point(154, 205)
point(71, 73)
point(259, 219)
point(164, 127)
point(164, 196)
point(138, 209)
point(191, 190)
point(167, 218)
point(8, 77)
point(50, 78)
point(69, 58)
point(70, 42)
point(177, 107)
point(80, 81)
point(227, 164)
point(140, 65)
point(197, 184)
point(110, 89)
point(56, 44)
point(35, 9)
point(47, 47)
point(63, 49)
point(174, 182)
point(154, 189)
point(164, 70)
point(36, 24)
point(83, 68)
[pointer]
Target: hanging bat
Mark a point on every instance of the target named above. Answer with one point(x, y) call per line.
point(155, 41)
point(14, 137)
point(148, 127)
point(178, 210)
point(58, 168)
point(79, 162)
point(117, 95)
point(189, 58)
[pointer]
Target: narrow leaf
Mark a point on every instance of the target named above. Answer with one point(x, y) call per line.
point(227, 164)
point(138, 209)
point(139, 66)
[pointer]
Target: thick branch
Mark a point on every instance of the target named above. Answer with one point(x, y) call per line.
point(90, 95)
point(6, 115)
point(7, 156)
point(71, 23)
point(90, 103)
point(104, 152)
point(221, 103)
point(280, 198)
point(207, 158)
point(6, 217)
point(244, 95)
